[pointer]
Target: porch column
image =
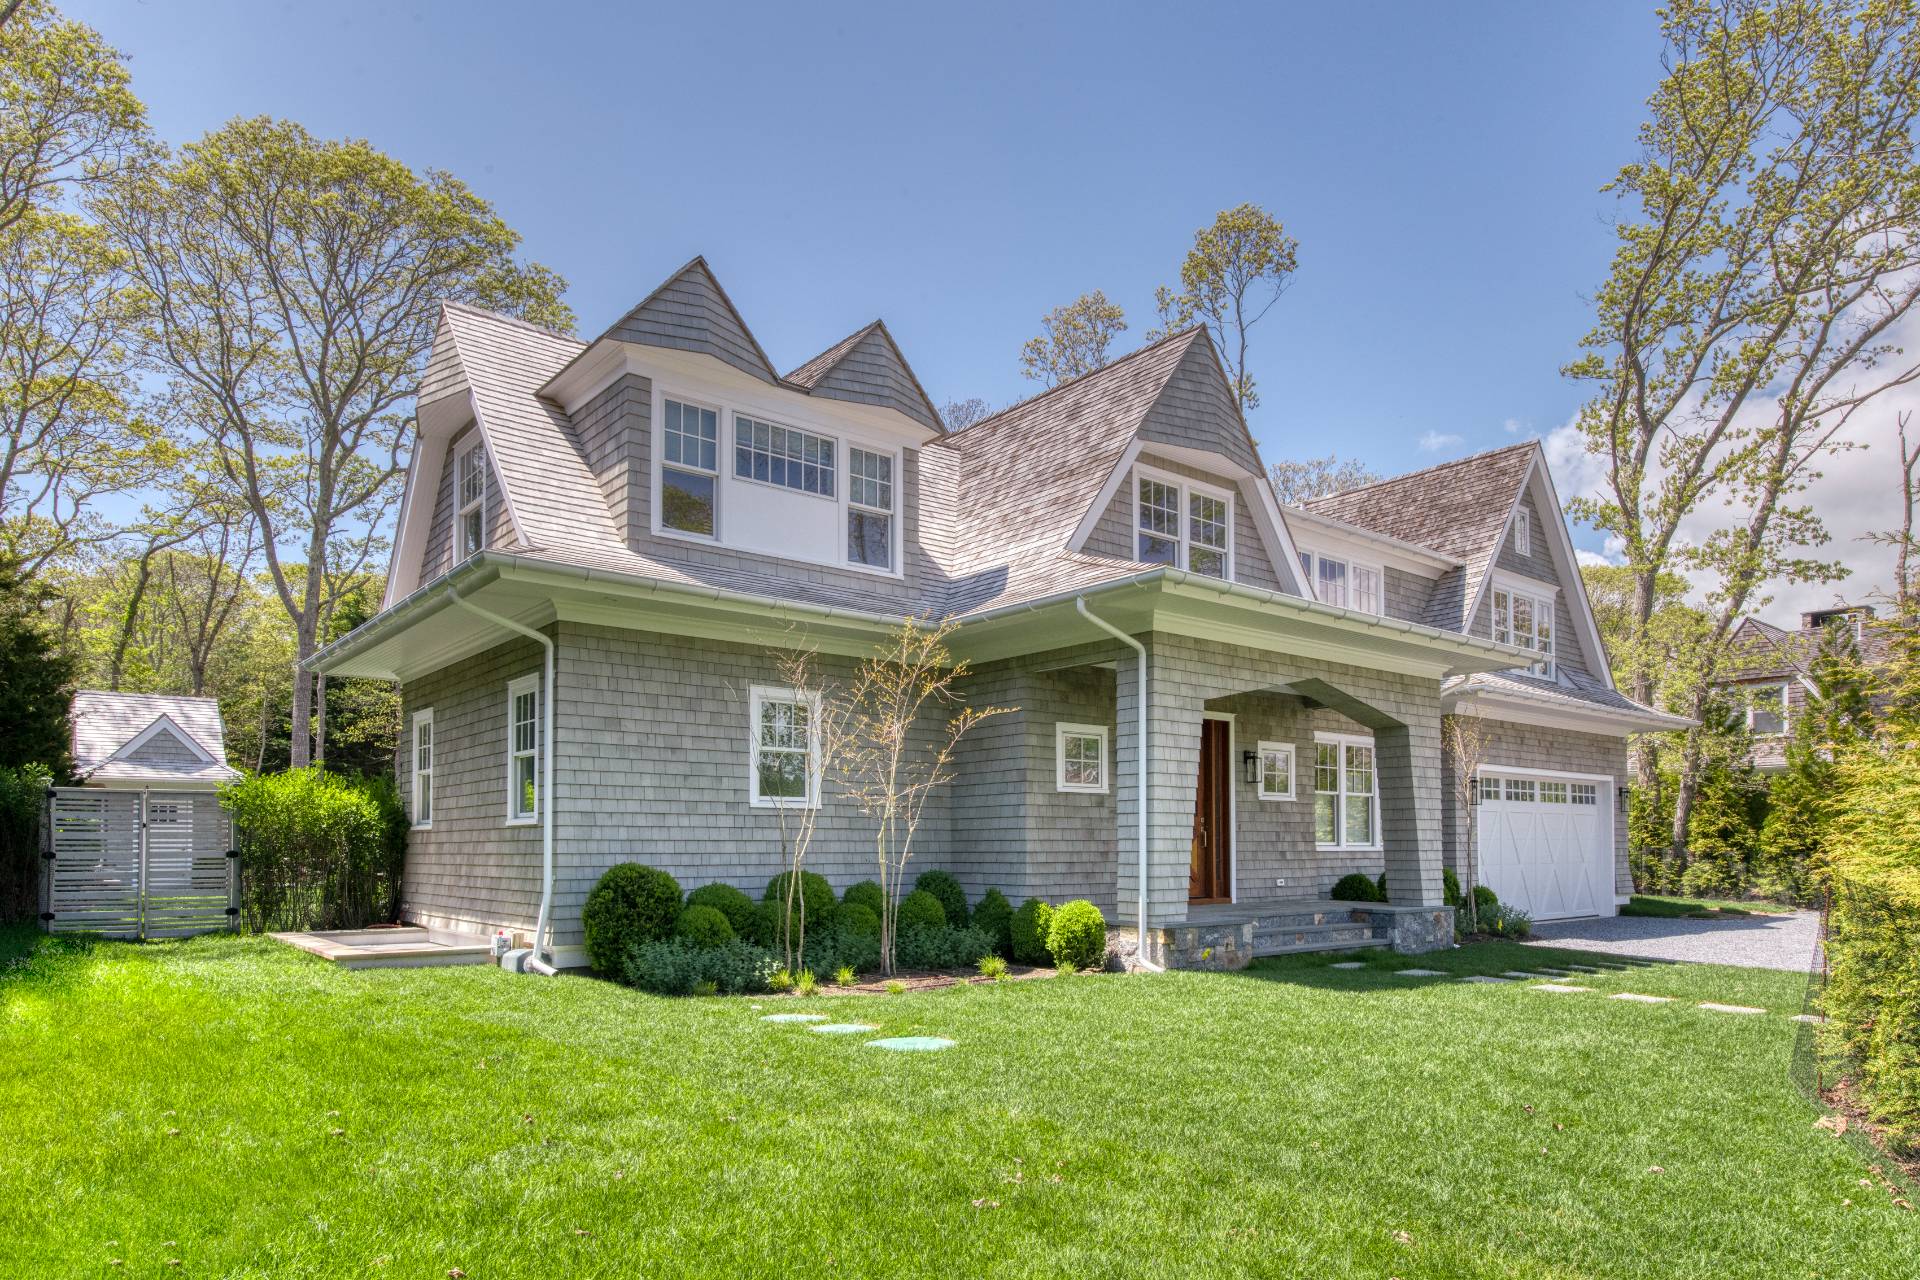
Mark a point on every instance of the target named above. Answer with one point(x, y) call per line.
point(1408, 760)
point(1174, 710)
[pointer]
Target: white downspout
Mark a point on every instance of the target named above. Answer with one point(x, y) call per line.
point(545, 919)
point(1139, 765)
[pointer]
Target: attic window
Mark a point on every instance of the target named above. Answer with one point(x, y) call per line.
point(689, 477)
point(1182, 524)
point(869, 508)
point(473, 500)
point(1523, 531)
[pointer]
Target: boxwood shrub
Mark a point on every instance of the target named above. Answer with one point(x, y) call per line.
point(921, 908)
point(630, 905)
point(854, 918)
point(929, 946)
point(815, 893)
point(953, 899)
point(730, 902)
point(994, 917)
point(1354, 887)
point(1028, 931)
point(1449, 887)
point(704, 926)
point(869, 895)
point(1077, 935)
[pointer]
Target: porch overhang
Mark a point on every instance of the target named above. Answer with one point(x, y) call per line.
point(426, 631)
point(1548, 712)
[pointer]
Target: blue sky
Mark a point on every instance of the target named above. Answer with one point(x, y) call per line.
point(958, 173)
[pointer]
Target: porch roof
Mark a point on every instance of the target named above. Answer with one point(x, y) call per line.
point(427, 630)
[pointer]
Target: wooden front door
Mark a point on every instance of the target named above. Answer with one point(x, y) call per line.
point(1211, 877)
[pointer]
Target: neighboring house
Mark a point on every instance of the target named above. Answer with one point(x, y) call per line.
point(1772, 671)
point(149, 740)
point(658, 510)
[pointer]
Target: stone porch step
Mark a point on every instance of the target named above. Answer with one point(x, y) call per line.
point(1360, 944)
point(1270, 940)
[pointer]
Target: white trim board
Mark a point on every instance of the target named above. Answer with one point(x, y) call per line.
point(162, 723)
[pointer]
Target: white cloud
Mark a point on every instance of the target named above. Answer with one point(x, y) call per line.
point(1435, 441)
point(1591, 559)
point(1513, 426)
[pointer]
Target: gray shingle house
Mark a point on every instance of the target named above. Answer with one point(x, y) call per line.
point(602, 543)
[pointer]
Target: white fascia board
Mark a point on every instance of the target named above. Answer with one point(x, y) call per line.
point(163, 723)
point(1109, 490)
point(435, 424)
point(1289, 550)
point(1569, 566)
point(1591, 719)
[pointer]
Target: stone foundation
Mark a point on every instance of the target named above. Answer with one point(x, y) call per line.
point(1412, 930)
point(1225, 945)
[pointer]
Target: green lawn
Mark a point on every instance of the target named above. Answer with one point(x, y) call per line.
point(1286, 1121)
point(1698, 908)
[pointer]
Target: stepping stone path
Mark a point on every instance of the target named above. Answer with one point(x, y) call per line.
point(842, 1028)
point(1419, 973)
point(912, 1044)
point(1557, 988)
point(1522, 974)
point(1349, 964)
point(793, 1017)
point(1808, 1017)
point(1636, 996)
point(1482, 977)
point(1582, 968)
point(1729, 1008)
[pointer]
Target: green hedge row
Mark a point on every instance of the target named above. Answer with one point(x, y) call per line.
point(318, 850)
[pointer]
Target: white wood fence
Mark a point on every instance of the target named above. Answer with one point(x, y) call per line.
point(138, 864)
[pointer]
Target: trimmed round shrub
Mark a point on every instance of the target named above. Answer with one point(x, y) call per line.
point(1028, 932)
point(1077, 935)
point(854, 918)
point(994, 917)
point(1355, 887)
point(953, 899)
point(815, 892)
point(703, 926)
point(730, 902)
point(1485, 902)
point(869, 895)
point(921, 908)
point(1449, 887)
point(1381, 885)
point(630, 905)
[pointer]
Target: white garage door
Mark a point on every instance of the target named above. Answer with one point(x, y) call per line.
point(1546, 843)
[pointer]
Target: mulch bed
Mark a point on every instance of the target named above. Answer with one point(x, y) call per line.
point(1848, 1113)
point(925, 981)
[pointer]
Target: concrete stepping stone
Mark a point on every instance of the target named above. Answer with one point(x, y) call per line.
point(1558, 988)
point(1524, 975)
point(842, 1028)
point(1419, 973)
point(793, 1017)
point(1638, 998)
point(1483, 977)
point(1729, 1008)
point(1583, 968)
point(1349, 964)
point(912, 1044)
point(1808, 1017)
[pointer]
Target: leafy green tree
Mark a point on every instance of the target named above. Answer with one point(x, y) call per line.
point(36, 681)
point(1752, 302)
point(1236, 270)
point(1074, 339)
point(297, 282)
point(1297, 479)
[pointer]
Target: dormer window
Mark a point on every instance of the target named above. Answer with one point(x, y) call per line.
point(689, 476)
point(1340, 581)
point(1767, 710)
point(1523, 532)
point(1526, 621)
point(473, 500)
point(771, 454)
point(1183, 524)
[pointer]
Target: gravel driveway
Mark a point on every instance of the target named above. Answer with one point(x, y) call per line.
point(1752, 942)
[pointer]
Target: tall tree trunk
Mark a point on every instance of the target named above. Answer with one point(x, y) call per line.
point(320, 721)
point(130, 618)
point(266, 708)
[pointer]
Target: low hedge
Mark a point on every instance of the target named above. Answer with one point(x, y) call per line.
point(921, 909)
point(926, 946)
point(680, 967)
point(318, 850)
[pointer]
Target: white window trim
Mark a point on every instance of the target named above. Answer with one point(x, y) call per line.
point(464, 509)
point(762, 694)
point(525, 684)
point(833, 443)
point(1346, 740)
point(1523, 532)
point(1185, 487)
point(1061, 732)
point(1312, 569)
point(1266, 749)
point(1542, 604)
point(660, 464)
point(424, 716)
point(891, 513)
point(1786, 714)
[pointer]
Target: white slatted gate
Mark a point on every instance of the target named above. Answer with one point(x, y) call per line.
point(138, 864)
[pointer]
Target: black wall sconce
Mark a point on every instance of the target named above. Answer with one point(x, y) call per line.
point(1250, 762)
point(1624, 792)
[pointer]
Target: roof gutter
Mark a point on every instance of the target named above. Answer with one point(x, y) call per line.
point(1139, 767)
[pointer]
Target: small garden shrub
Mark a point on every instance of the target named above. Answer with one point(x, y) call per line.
point(679, 967)
point(854, 918)
point(815, 893)
point(1077, 935)
point(869, 895)
point(730, 902)
point(953, 899)
point(703, 926)
point(923, 909)
point(1355, 887)
point(1449, 887)
point(1485, 901)
point(839, 948)
point(780, 980)
point(845, 976)
point(930, 946)
point(994, 917)
point(1028, 932)
point(1506, 921)
point(632, 904)
point(994, 967)
point(806, 984)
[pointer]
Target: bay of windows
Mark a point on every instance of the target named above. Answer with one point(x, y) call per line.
point(1183, 526)
point(1346, 793)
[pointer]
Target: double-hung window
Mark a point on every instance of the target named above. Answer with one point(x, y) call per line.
point(1346, 793)
point(690, 470)
point(1767, 709)
point(1526, 621)
point(523, 749)
point(784, 754)
point(783, 456)
point(473, 499)
point(1340, 581)
point(1184, 525)
point(869, 508)
point(423, 768)
point(1080, 757)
